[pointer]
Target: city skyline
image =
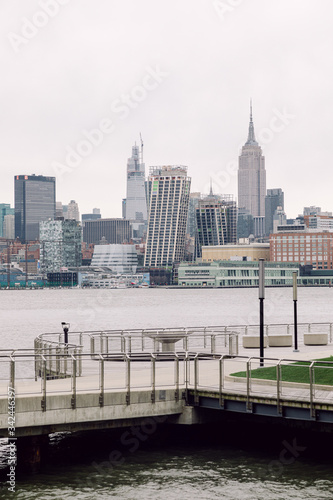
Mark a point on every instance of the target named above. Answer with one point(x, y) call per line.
point(104, 75)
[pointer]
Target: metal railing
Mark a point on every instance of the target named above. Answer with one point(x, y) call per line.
point(176, 371)
point(311, 391)
point(123, 361)
point(210, 339)
point(206, 339)
point(110, 374)
point(56, 357)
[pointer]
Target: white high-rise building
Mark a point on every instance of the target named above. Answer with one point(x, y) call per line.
point(73, 211)
point(136, 206)
point(9, 226)
point(252, 176)
point(168, 195)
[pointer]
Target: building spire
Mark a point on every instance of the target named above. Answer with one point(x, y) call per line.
point(251, 140)
point(211, 188)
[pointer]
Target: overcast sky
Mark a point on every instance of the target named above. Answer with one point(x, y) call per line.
point(182, 73)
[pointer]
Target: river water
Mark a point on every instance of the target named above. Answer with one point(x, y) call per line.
point(216, 462)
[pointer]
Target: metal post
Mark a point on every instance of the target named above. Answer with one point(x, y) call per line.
point(65, 354)
point(261, 309)
point(101, 380)
point(37, 364)
point(129, 343)
point(65, 327)
point(221, 370)
point(57, 361)
point(248, 384)
point(153, 377)
point(212, 344)
point(295, 310)
point(43, 375)
point(73, 400)
point(128, 378)
point(230, 338)
point(12, 373)
point(176, 376)
point(196, 379)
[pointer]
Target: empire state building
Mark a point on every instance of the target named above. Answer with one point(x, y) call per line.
point(252, 176)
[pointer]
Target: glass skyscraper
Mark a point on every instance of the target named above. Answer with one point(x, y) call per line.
point(216, 218)
point(35, 201)
point(273, 200)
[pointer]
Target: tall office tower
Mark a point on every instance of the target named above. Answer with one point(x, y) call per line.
point(252, 176)
point(216, 222)
point(34, 202)
point(4, 210)
point(168, 190)
point(73, 211)
point(273, 200)
point(60, 242)
point(135, 205)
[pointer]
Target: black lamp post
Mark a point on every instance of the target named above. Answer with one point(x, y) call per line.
point(261, 305)
point(65, 327)
point(295, 310)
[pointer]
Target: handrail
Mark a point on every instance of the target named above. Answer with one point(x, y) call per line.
point(220, 383)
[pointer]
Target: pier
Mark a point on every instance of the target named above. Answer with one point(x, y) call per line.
point(109, 379)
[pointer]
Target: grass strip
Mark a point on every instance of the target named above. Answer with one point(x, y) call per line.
point(296, 372)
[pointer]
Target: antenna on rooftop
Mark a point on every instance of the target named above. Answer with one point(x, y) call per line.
point(141, 148)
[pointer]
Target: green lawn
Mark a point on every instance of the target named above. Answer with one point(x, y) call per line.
point(296, 372)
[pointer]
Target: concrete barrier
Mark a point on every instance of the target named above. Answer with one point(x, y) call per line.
point(280, 340)
point(315, 338)
point(253, 341)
